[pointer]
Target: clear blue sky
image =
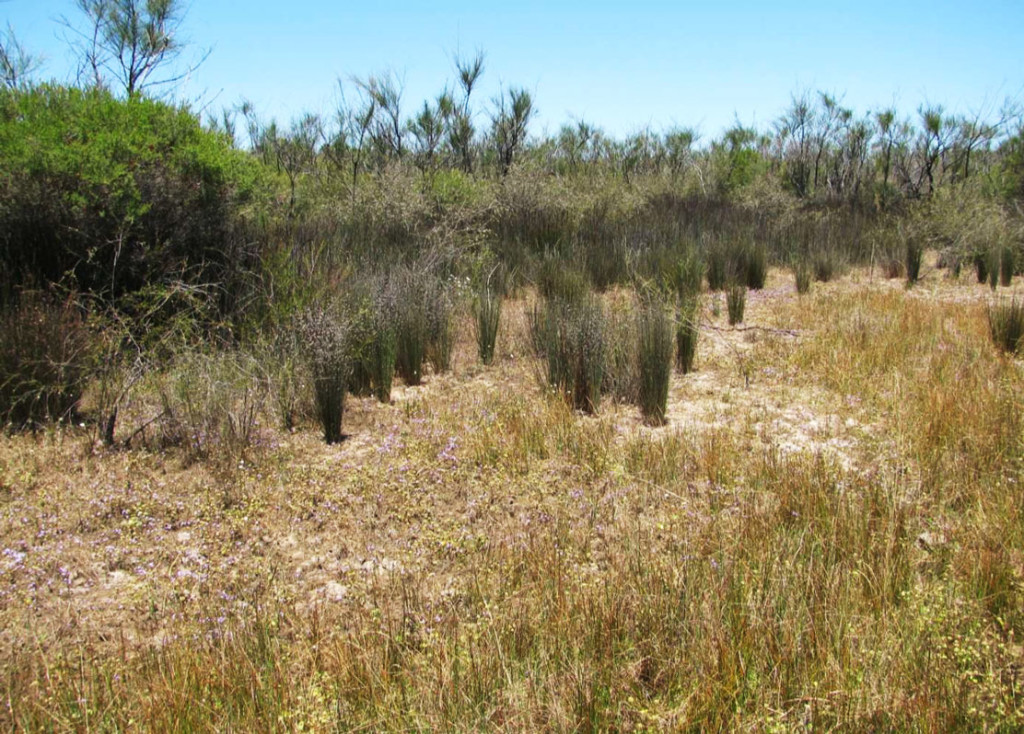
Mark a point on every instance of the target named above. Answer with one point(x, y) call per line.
point(618, 65)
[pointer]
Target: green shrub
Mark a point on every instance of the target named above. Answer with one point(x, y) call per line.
point(1006, 324)
point(654, 350)
point(687, 330)
point(736, 301)
point(439, 306)
point(325, 338)
point(372, 336)
point(688, 274)
point(621, 375)
point(118, 193)
point(44, 350)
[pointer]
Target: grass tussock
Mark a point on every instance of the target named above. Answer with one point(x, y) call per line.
point(325, 336)
point(736, 301)
point(654, 349)
point(1006, 325)
point(687, 332)
point(487, 310)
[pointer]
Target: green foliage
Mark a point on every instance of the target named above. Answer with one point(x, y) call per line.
point(44, 355)
point(687, 274)
point(439, 307)
point(654, 350)
point(411, 326)
point(1006, 325)
point(621, 374)
point(118, 193)
point(736, 301)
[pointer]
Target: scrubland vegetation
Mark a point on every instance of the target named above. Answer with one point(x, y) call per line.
point(417, 423)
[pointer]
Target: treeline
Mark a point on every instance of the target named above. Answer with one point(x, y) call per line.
point(135, 236)
point(817, 150)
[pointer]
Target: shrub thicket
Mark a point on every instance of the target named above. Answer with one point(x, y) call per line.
point(44, 353)
point(118, 193)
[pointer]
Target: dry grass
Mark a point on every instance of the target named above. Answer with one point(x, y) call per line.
point(827, 533)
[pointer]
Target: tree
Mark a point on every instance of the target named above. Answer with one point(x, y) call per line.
point(794, 134)
point(16, 65)
point(459, 117)
point(508, 125)
point(131, 42)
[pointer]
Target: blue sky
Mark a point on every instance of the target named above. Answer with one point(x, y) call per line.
point(617, 65)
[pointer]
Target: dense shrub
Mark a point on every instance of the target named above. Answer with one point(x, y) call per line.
point(44, 352)
point(118, 193)
point(373, 339)
point(753, 265)
point(981, 262)
point(826, 264)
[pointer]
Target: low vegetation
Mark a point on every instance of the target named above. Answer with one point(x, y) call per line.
point(373, 424)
